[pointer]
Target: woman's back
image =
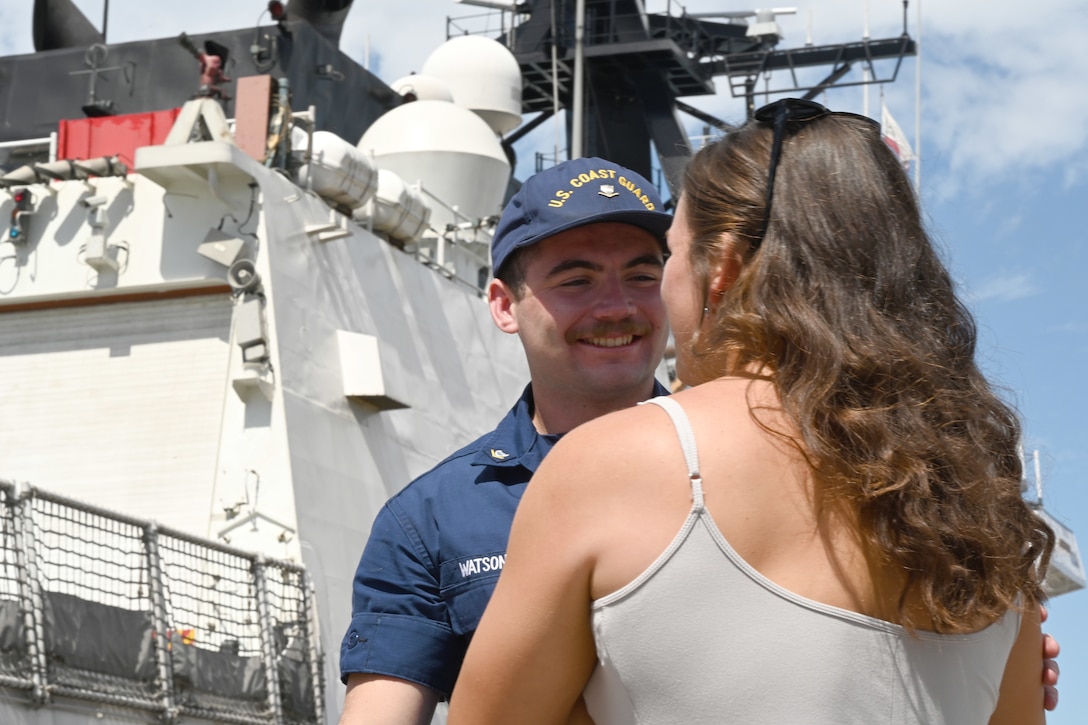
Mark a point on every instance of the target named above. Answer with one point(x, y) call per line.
point(700, 635)
point(758, 488)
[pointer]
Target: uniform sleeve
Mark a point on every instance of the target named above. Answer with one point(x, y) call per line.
point(400, 624)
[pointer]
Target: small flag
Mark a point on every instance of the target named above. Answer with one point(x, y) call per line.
point(894, 136)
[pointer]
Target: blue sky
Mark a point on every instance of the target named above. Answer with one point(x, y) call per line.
point(1004, 186)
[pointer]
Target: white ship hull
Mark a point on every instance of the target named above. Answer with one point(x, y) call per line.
point(128, 387)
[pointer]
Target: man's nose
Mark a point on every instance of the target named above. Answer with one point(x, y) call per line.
point(615, 301)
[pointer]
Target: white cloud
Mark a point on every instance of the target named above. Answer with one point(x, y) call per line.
point(998, 81)
point(1074, 172)
point(1005, 288)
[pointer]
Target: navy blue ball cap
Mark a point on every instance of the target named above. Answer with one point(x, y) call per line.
point(574, 193)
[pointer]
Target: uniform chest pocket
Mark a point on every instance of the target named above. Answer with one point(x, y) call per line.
point(467, 585)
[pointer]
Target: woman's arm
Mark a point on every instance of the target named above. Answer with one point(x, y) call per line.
point(533, 652)
point(1020, 701)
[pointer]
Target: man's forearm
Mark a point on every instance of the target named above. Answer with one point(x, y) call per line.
point(382, 700)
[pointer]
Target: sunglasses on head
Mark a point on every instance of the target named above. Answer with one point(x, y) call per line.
point(779, 115)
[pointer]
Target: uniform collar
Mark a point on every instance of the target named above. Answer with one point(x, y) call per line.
point(516, 442)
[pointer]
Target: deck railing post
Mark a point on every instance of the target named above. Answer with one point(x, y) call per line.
point(161, 626)
point(268, 649)
point(33, 602)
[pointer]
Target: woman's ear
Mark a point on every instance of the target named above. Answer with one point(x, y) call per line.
point(726, 273)
point(501, 300)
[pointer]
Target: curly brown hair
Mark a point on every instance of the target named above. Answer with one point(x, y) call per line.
point(848, 306)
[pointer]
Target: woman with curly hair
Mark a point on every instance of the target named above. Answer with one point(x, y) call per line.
point(838, 534)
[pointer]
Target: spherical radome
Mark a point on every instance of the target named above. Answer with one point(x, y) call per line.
point(484, 76)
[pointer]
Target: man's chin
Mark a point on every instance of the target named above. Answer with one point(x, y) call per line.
point(621, 383)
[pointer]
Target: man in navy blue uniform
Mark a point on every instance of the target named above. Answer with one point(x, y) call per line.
point(577, 258)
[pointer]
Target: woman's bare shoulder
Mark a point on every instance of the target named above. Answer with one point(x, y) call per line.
point(622, 433)
point(641, 440)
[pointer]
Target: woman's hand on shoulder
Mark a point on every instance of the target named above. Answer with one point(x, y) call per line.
point(1020, 700)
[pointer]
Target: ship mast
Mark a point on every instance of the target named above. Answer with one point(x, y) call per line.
point(638, 66)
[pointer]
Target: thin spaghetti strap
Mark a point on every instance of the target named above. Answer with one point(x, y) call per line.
point(687, 444)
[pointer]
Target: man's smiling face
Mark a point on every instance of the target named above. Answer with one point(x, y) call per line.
point(590, 314)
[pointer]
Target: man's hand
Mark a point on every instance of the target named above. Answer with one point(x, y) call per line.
point(1050, 666)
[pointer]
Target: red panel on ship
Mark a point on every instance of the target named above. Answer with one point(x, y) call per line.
point(91, 138)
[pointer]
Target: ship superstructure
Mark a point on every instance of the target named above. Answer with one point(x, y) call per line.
point(241, 304)
point(226, 335)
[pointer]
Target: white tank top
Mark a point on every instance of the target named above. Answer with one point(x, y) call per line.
point(702, 637)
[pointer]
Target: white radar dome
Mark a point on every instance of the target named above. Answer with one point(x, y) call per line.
point(455, 155)
point(423, 88)
point(484, 76)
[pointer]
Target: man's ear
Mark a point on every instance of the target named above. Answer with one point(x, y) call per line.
point(501, 300)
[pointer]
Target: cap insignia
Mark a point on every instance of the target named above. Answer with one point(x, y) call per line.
point(607, 190)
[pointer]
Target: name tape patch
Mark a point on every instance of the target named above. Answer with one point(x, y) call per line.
point(481, 565)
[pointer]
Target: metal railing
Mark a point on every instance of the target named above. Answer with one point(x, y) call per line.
point(600, 28)
point(104, 608)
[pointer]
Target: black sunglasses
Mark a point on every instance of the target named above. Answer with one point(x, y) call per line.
point(780, 114)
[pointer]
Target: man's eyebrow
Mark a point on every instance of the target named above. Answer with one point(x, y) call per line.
point(566, 265)
point(569, 264)
point(654, 260)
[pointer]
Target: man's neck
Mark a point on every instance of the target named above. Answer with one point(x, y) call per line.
point(558, 414)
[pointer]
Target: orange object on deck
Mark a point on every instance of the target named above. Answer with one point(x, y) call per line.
point(88, 138)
